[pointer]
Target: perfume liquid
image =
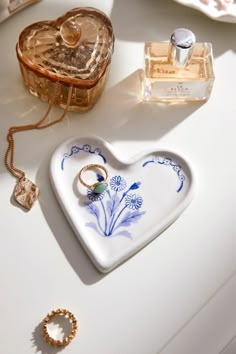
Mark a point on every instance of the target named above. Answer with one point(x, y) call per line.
point(179, 71)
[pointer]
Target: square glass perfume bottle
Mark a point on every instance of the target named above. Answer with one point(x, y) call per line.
point(178, 71)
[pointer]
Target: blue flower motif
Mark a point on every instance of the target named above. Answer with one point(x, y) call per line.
point(94, 197)
point(118, 183)
point(97, 151)
point(167, 161)
point(135, 185)
point(176, 168)
point(86, 147)
point(111, 210)
point(75, 149)
point(133, 201)
point(100, 178)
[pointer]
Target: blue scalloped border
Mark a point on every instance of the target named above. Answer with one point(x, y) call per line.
point(75, 149)
point(168, 162)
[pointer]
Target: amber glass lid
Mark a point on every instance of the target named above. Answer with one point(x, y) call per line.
point(76, 48)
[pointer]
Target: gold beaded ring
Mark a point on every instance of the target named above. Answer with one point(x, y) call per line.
point(97, 187)
point(74, 327)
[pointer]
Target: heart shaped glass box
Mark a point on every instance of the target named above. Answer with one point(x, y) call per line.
point(73, 51)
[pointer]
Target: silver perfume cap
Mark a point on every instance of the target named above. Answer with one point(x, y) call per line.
point(181, 46)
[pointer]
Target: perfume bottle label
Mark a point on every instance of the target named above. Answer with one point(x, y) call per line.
point(185, 89)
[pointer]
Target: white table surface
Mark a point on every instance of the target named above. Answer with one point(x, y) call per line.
point(178, 294)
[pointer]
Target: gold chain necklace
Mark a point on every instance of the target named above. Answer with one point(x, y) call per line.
point(26, 192)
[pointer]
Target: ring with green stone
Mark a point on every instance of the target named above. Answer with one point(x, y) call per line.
point(97, 187)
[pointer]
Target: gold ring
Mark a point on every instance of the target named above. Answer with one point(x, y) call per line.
point(97, 187)
point(74, 327)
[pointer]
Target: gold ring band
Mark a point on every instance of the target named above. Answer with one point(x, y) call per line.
point(74, 327)
point(97, 187)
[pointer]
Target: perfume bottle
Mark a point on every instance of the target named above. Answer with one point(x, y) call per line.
point(178, 71)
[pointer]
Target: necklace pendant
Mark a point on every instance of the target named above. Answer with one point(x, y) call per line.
point(26, 193)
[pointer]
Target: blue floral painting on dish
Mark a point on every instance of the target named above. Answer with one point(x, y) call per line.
point(166, 161)
point(116, 209)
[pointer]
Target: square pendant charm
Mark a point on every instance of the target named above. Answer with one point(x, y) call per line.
point(26, 193)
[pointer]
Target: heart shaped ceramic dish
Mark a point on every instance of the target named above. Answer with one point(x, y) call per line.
point(144, 196)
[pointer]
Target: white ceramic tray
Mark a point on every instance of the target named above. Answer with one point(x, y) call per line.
point(218, 10)
point(144, 196)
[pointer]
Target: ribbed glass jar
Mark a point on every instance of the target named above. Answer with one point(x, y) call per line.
point(74, 50)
